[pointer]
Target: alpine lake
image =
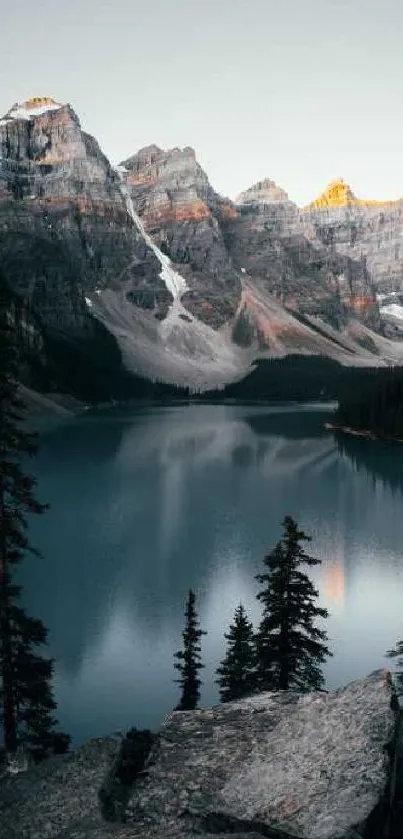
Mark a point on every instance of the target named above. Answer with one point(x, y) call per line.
point(149, 501)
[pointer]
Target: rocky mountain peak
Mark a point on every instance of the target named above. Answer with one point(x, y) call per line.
point(163, 176)
point(144, 157)
point(264, 192)
point(153, 156)
point(36, 106)
point(338, 193)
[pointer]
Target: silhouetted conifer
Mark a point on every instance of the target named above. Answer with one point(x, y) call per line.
point(26, 699)
point(189, 659)
point(236, 673)
point(289, 647)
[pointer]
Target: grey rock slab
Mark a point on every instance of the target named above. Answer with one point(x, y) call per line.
point(277, 765)
point(314, 766)
point(59, 795)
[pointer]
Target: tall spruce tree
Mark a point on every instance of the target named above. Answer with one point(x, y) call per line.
point(236, 673)
point(26, 698)
point(289, 647)
point(189, 659)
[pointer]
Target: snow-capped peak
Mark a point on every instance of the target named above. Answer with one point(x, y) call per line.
point(34, 107)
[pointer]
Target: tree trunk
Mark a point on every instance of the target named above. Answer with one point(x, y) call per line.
point(6, 658)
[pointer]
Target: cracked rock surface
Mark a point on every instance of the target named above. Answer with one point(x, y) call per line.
point(313, 766)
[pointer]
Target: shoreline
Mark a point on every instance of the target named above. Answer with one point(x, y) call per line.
point(366, 433)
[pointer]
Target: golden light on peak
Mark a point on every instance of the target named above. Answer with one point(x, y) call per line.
point(39, 102)
point(338, 193)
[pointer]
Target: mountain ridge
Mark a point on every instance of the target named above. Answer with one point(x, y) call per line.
point(85, 243)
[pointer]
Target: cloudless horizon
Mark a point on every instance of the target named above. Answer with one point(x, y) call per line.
point(300, 91)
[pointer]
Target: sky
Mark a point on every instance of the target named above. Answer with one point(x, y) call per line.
point(300, 91)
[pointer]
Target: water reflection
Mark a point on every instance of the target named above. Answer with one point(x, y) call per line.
point(382, 461)
point(150, 502)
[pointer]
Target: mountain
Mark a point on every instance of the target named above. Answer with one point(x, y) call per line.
point(366, 230)
point(183, 214)
point(250, 258)
point(269, 238)
point(144, 270)
point(64, 232)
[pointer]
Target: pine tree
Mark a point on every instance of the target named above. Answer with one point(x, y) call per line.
point(26, 699)
point(236, 673)
point(397, 652)
point(189, 659)
point(289, 647)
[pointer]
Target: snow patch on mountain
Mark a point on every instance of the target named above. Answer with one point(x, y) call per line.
point(174, 282)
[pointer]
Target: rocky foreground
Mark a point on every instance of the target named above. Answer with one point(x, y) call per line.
point(280, 765)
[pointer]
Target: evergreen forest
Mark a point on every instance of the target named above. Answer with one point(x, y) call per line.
point(376, 407)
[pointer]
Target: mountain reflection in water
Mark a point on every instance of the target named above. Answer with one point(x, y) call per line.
point(146, 502)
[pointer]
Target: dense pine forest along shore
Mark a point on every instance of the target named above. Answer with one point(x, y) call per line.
point(374, 410)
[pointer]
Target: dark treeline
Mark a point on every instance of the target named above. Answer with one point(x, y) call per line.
point(300, 378)
point(377, 406)
point(27, 703)
point(294, 377)
point(76, 369)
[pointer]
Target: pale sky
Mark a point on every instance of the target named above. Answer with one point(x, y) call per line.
point(300, 91)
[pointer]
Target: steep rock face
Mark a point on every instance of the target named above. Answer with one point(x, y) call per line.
point(64, 226)
point(359, 228)
point(178, 207)
point(301, 271)
point(217, 243)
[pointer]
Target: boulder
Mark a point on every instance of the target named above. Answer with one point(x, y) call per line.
point(58, 795)
point(280, 765)
point(313, 766)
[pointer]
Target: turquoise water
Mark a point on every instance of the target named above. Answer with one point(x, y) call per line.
point(147, 502)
